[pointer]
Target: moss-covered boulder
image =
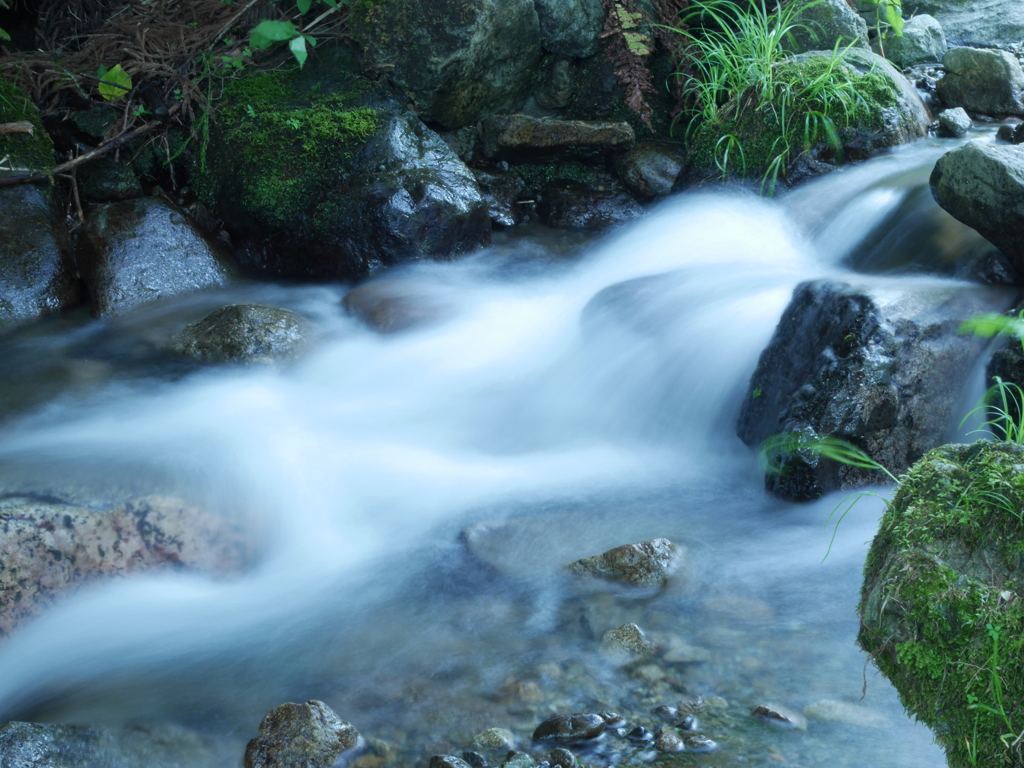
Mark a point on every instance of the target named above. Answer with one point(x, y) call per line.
point(753, 138)
point(457, 60)
point(36, 271)
point(941, 609)
point(323, 175)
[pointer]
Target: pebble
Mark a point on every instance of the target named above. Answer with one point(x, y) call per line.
point(475, 759)
point(448, 761)
point(644, 564)
point(845, 712)
point(579, 727)
point(518, 760)
point(613, 719)
point(562, 758)
point(495, 738)
point(700, 743)
point(627, 640)
point(687, 723)
point(667, 740)
point(780, 716)
point(666, 712)
point(640, 734)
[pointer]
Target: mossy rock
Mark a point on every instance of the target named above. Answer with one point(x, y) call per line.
point(22, 150)
point(941, 608)
point(750, 138)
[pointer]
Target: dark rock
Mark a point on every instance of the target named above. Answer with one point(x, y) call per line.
point(137, 251)
point(106, 181)
point(1011, 134)
point(523, 138)
point(562, 758)
point(780, 716)
point(640, 734)
point(940, 605)
point(571, 27)
point(50, 547)
point(474, 759)
point(982, 185)
point(569, 204)
point(244, 334)
point(35, 745)
point(95, 122)
point(687, 722)
point(644, 564)
point(826, 25)
point(922, 42)
point(309, 735)
point(447, 761)
point(649, 170)
point(979, 22)
point(396, 305)
point(613, 719)
point(457, 60)
point(568, 728)
point(989, 82)
point(502, 191)
point(955, 123)
point(883, 368)
point(555, 87)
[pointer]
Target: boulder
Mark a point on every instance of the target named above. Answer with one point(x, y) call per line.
point(955, 123)
point(881, 367)
point(244, 334)
point(922, 42)
point(360, 184)
point(37, 274)
point(941, 614)
point(394, 305)
point(309, 735)
point(523, 138)
point(649, 170)
point(502, 191)
point(981, 81)
point(49, 547)
point(982, 185)
point(644, 564)
point(571, 204)
point(978, 22)
point(460, 60)
point(136, 251)
point(32, 745)
point(1011, 134)
point(571, 27)
point(823, 26)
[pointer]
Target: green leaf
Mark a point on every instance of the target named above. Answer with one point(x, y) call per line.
point(303, 5)
point(332, 3)
point(101, 71)
point(116, 84)
point(4, 35)
point(266, 33)
point(298, 49)
point(638, 43)
point(894, 18)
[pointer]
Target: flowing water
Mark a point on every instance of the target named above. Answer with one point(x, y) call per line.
point(575, 396)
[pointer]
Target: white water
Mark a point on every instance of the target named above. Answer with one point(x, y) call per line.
point(357, 468)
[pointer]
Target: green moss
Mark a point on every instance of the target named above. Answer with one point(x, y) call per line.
point(33, 151)
point(941, 614)
point(280, 145)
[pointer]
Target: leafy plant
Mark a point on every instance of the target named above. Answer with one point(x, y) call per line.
point(268, 32)
point(114, 82)
point(3, 34)
point(892, 12)
point(1003, 402)
point(738, 72)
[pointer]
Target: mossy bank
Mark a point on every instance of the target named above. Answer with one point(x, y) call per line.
point(941, 611)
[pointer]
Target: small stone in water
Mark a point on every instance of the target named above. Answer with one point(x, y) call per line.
point(613, 719)
point(667, 740)
point(310, 734)
point(579, 727)
point(628, 640)
point(699, 743)
point(447, 761)
point(780, 716)
point(562, 758)
point(495, 738)
point(475, 759)
point(640, 734)
point(518, 760)
point(620, 732)
point(687, 723)
point(666, 712)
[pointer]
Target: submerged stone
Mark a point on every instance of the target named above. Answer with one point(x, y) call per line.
point(644, 564)
point(580, 727)
point(627, 641)
point(779, 716)
point(244, 334)
point(309, 735)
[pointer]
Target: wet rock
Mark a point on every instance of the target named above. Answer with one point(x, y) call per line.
point(475, 759)
point(939, 597)
point(390, 306)
point(244, 334)
point(780, 717)
point(644, 564)
point(1011, 134)
point(826, 25)
point(613, 719)
point(562, 758)
point(845, 712)
point(626, 641)
point(137, 251)
point(667, 740)
point(523, 138)
point(310, 735)
point(985, 81)
point(568, 728)
point(881, 367)
point(640, 734)
point(700, 743)
point(457, 61)
point(649, 170)
point(568, 204)
point(107, 181)
point(955, 122)
point(502, 191)
point(922, 42)
point(980, 22)
point(554, 90)
point(687, 722)
point(495, 738)
point(50, 547)
point(982, 185)
point(34, 745)
point(447, 761)
point(518, 760)
point(571, 27)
